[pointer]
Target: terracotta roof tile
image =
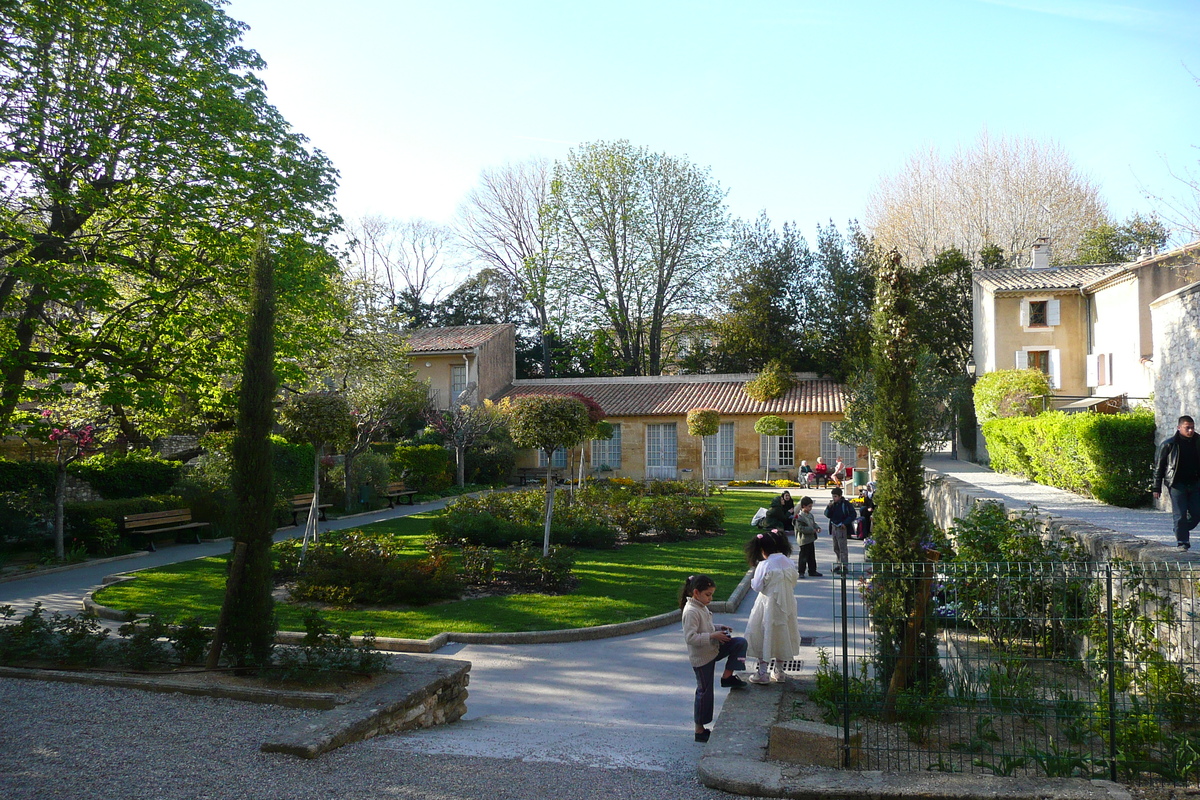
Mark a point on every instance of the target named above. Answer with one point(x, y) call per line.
point(1049, 279)
point(672, 395)
point(463, 337)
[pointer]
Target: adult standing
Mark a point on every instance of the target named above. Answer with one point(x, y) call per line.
point(1177, 465)
point(841, 516)
point(780, 514)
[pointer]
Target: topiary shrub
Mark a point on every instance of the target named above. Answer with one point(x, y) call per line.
point(427, 468)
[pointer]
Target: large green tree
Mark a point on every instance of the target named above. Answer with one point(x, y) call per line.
point(136, 148)
point(835, 309)
point(1112, 244)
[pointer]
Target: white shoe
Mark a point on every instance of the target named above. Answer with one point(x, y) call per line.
point(779, 676)
point(760, 678)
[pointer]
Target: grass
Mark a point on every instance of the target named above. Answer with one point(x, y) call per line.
point(632, 582)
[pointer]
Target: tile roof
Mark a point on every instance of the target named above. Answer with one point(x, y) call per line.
point(675, 395)
point(1048, 279)
point(463, 337)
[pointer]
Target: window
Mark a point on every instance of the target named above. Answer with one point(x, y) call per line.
point(607, 452)
point(660, 450)
point(1099, 369)
point(778, 452)
point(832, 451)
point(1046, 359)
point(559, 461)
point(1039, 359)
point(458, 381)
point(1037, 314)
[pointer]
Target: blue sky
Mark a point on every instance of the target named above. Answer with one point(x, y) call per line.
point(797, 107)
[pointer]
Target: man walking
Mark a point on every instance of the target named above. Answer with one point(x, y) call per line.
point(841, 516)
point(1178, 466)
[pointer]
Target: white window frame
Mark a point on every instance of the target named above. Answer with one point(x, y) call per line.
point(662, 450)
point(1053, 313)
point(781, 450)
point(607, 452)
point(457, 386)
point(833, 451)
point(720, 452)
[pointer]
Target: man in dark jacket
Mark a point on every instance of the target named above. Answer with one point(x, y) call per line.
point(1178, 466)
point(841, 516)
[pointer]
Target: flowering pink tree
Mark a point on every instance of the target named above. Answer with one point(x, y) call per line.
point(74, 441)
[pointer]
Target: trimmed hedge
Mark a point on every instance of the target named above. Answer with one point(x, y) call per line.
point(424, 467)
point(18, 476)
point(1105, 456)
point(116, 477)
point(81, 522)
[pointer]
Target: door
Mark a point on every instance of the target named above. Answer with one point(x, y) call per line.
point(718, 454)
point(660, 451)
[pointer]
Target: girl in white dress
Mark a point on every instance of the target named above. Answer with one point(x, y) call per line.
point(772, 634)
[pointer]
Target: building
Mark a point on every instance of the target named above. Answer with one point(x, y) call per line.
point(650, 435)
point(480, 357)
point(1088, 327)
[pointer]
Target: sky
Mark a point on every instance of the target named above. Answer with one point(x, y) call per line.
point(798, 108)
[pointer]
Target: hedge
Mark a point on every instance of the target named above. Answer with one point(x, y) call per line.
point(116, 477)
point(1105, 456)
point(79, 519)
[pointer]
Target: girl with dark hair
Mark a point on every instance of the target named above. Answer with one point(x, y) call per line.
point(772, 635)
point(707, 644)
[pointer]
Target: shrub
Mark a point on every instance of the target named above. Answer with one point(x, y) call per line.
point(82, 521)
point(425, 467)
point(1106, 456)
point(325, 655)
point(18, 476)
point(141, 647)
point(1006, 392)
point(772, 383)
point(191, 640)
point(121, 476)
point(54, 639)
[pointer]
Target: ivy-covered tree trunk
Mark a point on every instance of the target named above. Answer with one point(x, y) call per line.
point(900, 523)
point(549, 510)
point(249, 611)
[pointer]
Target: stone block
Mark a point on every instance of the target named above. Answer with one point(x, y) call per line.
point(802, 741)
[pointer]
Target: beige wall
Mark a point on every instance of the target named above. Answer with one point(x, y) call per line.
point(436, 370)
point(807, 429)
point(1069, 337)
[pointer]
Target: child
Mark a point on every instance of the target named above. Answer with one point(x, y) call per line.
point(841, 518)
point(706, 645)
point(771, 631)
point(806, 533)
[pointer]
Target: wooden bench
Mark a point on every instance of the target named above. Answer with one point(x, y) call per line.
point(395, 491)
point(302, 502)
point(176, 520)
point(537, 474)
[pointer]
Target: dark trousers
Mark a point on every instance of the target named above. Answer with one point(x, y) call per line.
point(735, 652)
point(1185, 506)
point(808, 558)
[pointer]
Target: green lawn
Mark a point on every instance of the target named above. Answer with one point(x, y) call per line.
point(635, 581)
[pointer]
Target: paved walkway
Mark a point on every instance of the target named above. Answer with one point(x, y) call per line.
point(620, 704)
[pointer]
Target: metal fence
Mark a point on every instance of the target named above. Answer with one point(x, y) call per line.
point(1058, 669)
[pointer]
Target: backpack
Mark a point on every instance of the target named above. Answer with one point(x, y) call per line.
point(760, 518)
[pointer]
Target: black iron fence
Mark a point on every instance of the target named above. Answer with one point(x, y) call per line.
point(1059, 669)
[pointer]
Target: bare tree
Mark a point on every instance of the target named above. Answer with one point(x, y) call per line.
point(1000, 191)
point(400, 262)
point(508, 223)
point(643, 232)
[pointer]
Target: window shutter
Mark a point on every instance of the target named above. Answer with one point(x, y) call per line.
point(1024, 313)
point(1106, 378)
point(1052, 313)
point(1093, 369)
point(1055, 368)
point(764, 451)
point(1022, 359)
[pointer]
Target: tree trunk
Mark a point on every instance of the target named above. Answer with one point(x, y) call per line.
point(460, 457)
point(60, 496)
point(549, 504)
point(348, 461)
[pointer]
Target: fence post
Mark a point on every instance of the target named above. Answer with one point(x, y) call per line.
point(1112, 678)
point(845, 676)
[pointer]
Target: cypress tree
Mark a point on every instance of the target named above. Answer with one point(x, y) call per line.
point(248, 612)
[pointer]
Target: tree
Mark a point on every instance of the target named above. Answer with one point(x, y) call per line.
point(401, 260)
point(834, 310)
point(770, 425)
point(463, 426)
point(772, 383)
point(546, 423)
point(128, 192)
point(643, 233)
point(597, 429)
point(758, 319)
point(489, 297)
point(1114, 244)
point(509, 223)
point(703, 422)
point(247, 622)
point(1005, 192)
point(321, 419)
point(72, 430)
point(900, 522)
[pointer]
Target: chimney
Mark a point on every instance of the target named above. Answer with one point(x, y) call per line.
point(1041, 253)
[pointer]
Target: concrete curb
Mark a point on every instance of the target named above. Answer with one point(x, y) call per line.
point(735, 760)
point(37, 573)
point(438, 641)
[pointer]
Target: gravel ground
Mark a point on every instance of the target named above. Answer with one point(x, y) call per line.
point(65, 741)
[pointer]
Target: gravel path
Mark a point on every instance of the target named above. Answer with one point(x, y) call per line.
point(63, 741)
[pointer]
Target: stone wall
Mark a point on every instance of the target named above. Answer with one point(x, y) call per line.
point(1176, 320)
